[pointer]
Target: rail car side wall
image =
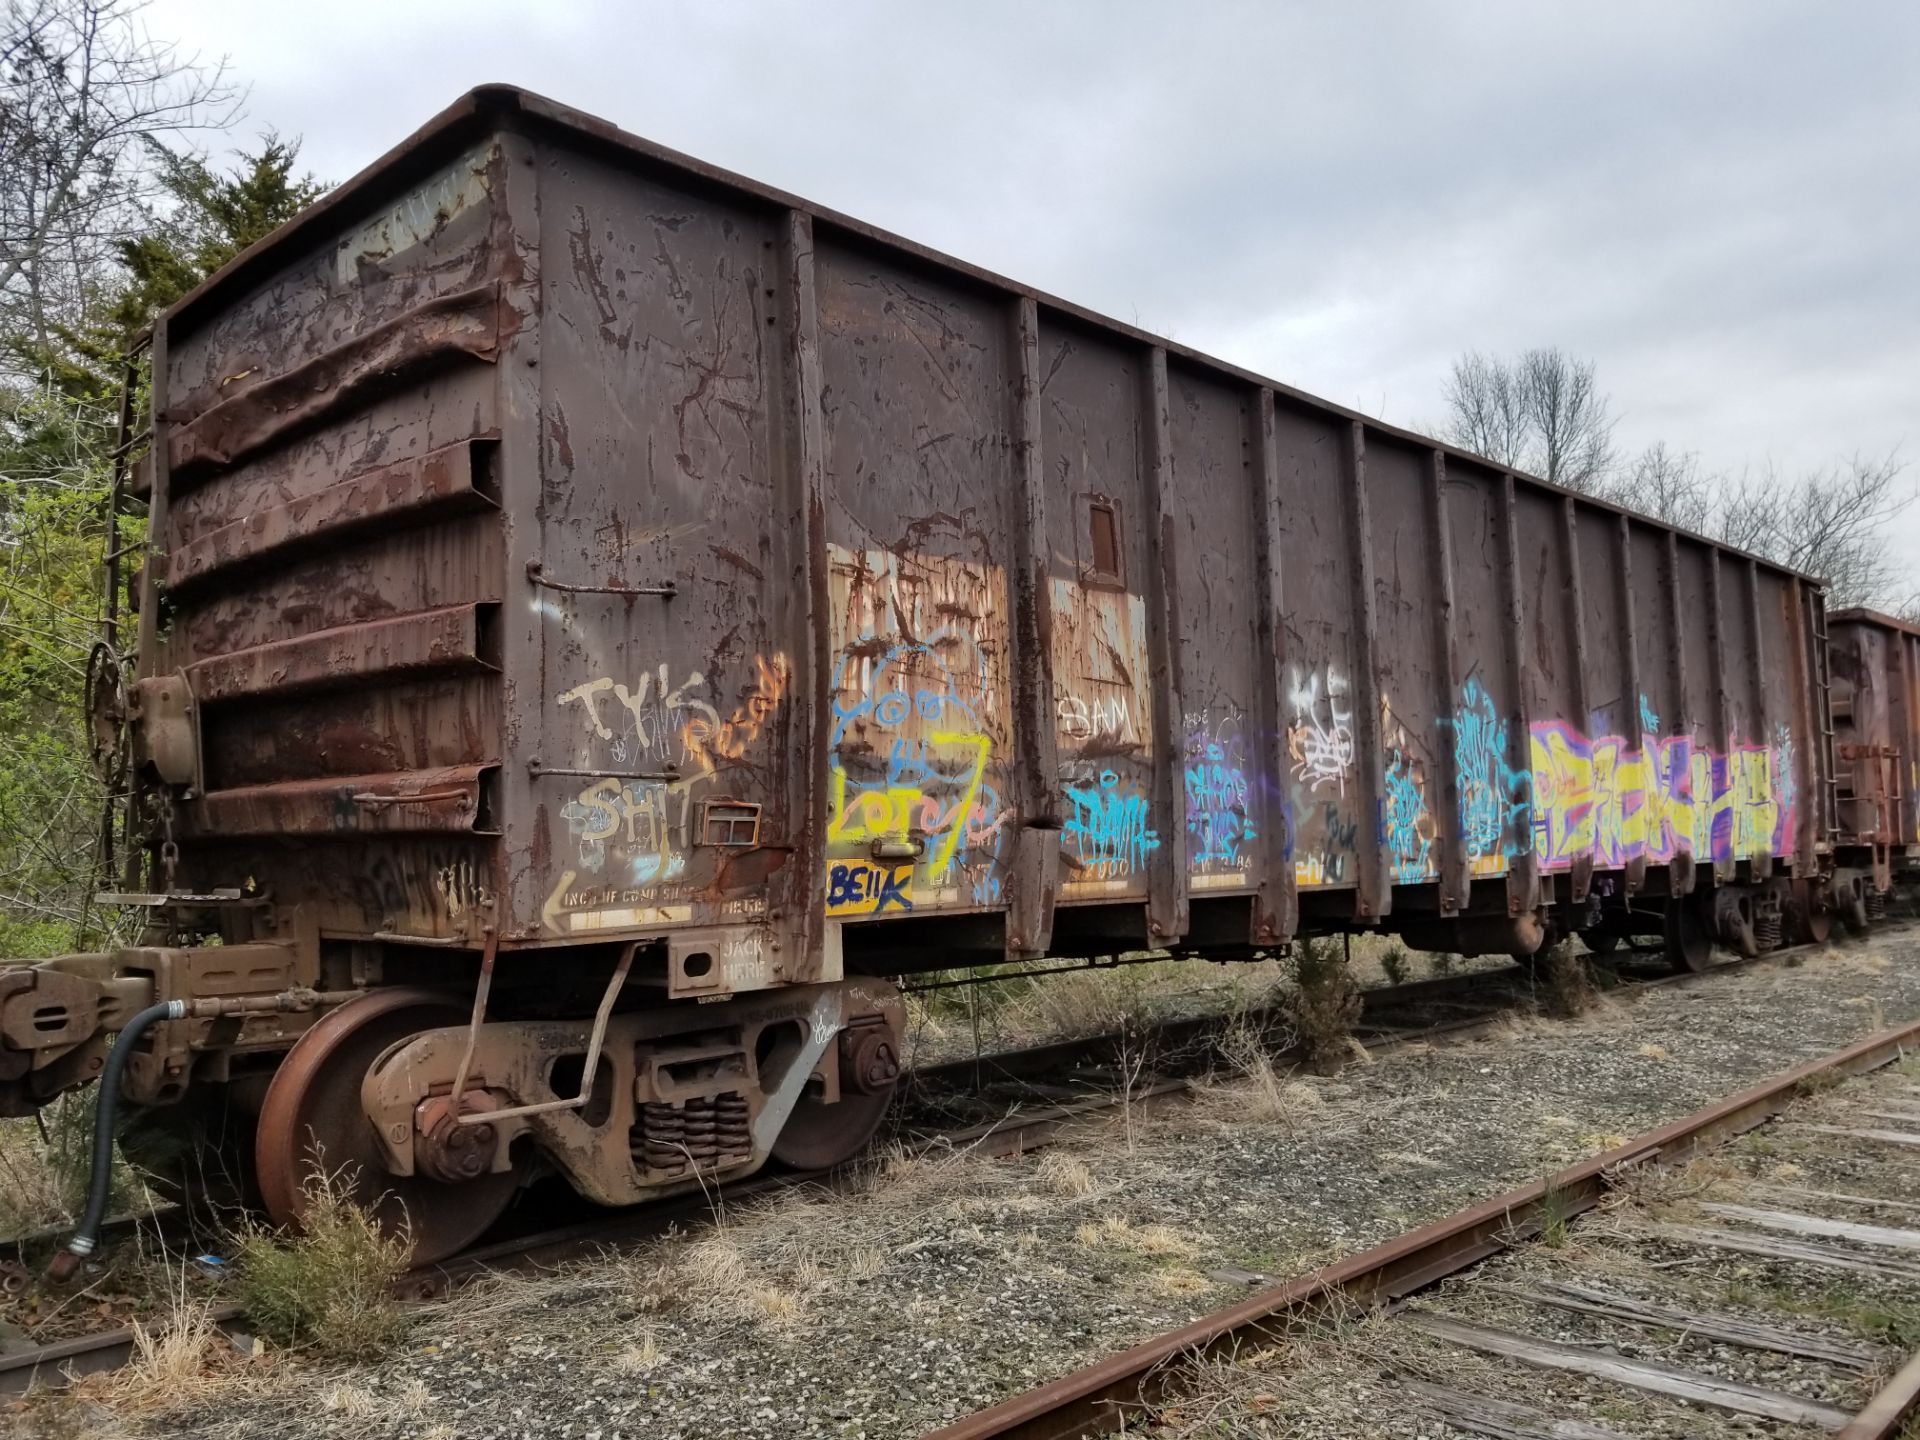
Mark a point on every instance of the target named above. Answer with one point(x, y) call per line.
point(763, 584)
point(1279, 653)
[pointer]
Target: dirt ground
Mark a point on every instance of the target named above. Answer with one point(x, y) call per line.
point(949, 1281)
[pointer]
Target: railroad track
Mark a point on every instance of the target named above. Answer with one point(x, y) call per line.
point(1452, 1008)
point(1506, 1248)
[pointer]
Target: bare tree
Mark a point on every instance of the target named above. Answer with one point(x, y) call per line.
point(1542, 413)
point(1668, 485)
point(1569, 417)
point(1831, 522)
point(84, 93)
point(1487, 412)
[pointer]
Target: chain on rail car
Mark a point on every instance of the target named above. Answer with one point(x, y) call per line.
point(603, 618)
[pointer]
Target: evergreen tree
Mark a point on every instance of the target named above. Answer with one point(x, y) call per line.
point(56, 441)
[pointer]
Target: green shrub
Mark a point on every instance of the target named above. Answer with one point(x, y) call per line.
point(329, 1288)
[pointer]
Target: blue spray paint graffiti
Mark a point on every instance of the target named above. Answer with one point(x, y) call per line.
point(1649, 717)
point(1108, 832)
point(1496, 819)
point(1404, 820)
point(1220, 828)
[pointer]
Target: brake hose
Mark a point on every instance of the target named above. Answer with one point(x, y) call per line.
point(86, 1239)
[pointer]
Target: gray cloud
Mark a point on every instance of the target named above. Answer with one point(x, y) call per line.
point(1717, 202)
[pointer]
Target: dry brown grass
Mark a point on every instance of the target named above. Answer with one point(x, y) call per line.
point(1255, 1090)
point(178, 1360)
point(1117, 1232)
point(1065, 1174)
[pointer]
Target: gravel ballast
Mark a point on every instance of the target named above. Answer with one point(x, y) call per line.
point(948, 1282)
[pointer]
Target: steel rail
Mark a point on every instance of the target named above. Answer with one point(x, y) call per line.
point(1102, 1396)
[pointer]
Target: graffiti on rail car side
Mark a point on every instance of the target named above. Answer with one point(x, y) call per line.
point(1320, 733)
point(632, 836)
point(1496, 800)
point(1103, 705)
point(1220, 825)
point(918, 733)
point(1406, 823)
point(1321, 754)
point(1108, 831)
point(1615, 800)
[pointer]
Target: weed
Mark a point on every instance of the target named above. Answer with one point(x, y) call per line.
point(639, 1357)
point(1065, 1174)
point(1393, 960)
point(1324, 1003)
point(1555, 1217)
point(1569, 986)
point(1807, 1086)
point(1887, 1321)
point(170, 1368)
point(353, 1402)
point(1258, 1092)
point(1441, 962)
point(329, 1288)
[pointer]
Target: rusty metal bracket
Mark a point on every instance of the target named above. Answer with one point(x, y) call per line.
point(536, 573)
point(588, 1067)
point(375, 800)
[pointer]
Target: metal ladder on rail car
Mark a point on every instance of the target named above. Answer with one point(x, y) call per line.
point(1830, 776)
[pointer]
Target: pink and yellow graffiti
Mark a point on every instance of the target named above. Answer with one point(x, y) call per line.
point(1666, 797)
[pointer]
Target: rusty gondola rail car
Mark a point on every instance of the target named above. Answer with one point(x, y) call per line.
point(604, 615)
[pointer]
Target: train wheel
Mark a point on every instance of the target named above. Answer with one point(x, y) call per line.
point(818, 1135)
point(1689, 941)
point(312, 1126)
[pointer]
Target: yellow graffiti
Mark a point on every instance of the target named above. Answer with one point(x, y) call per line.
point(867, 887)
point(1665, 798)
point(958, 822)
point(892, 813)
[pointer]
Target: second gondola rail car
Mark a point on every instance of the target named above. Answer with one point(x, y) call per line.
point(604, 614)
point(1876, 721)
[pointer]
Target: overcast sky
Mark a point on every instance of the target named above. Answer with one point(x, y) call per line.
point(1719, 203)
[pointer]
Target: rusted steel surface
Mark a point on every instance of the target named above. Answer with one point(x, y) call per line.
point(1098, 1399)
point(1875, 696)
point(706, 561)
